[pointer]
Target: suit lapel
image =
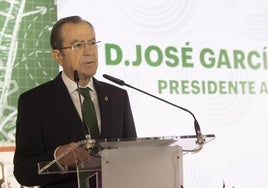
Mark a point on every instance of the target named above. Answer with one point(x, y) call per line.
point(63, 101)
point(105, 109)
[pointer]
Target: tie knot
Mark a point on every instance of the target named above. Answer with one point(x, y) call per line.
point(85, 91)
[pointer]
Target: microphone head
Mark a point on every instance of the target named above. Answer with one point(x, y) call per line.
point(113, 79)
point(76, 76)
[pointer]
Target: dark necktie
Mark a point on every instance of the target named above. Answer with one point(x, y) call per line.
point(89, 114)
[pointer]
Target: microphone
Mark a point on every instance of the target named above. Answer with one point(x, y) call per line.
point(76, 79)
point(200, 138)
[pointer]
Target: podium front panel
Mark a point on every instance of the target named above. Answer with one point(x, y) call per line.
point(143, 167)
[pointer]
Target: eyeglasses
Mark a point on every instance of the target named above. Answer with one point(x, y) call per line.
point(79, 46)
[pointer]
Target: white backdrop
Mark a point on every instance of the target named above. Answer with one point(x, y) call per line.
point(238, 155)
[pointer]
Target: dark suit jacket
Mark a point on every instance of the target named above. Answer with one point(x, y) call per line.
point(47, 118)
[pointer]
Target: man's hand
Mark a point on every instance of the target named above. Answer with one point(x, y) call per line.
point(75, 154)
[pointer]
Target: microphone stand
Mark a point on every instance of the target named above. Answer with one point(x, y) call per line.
point(200, 138)
point(92, 145)
point(86, 130)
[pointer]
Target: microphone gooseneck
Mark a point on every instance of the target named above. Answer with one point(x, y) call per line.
point(200, 138)
point(76, 79)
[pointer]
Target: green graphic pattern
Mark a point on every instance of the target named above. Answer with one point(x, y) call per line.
point(25, 59)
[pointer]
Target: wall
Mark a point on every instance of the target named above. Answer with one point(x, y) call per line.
point(25, 62)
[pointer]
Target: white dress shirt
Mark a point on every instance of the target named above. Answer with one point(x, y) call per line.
point(72, 88)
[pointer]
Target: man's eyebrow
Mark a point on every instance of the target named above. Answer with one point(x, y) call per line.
point(74, 41)
point(77, 40)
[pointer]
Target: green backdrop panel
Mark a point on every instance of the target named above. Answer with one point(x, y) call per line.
point(25, 58)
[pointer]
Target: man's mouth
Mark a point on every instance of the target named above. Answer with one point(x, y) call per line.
point(89, 62)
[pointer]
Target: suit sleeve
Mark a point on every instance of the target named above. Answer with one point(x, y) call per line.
point(29, 146)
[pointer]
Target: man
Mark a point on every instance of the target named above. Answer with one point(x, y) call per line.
point(49, 120)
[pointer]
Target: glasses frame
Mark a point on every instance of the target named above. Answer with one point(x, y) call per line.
point(91, 43)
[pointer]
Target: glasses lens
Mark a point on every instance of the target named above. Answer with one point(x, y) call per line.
point(92, 43)
point(78, 46)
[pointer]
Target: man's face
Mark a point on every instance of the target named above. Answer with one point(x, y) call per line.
point(83, 57)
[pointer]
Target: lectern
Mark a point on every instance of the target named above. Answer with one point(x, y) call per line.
point(153, 162)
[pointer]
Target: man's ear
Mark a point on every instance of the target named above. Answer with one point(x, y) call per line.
point(57, 55)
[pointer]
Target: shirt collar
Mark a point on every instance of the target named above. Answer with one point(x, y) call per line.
point(72, 86)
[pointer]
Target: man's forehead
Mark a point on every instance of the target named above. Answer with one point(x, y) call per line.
point(77, 32)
